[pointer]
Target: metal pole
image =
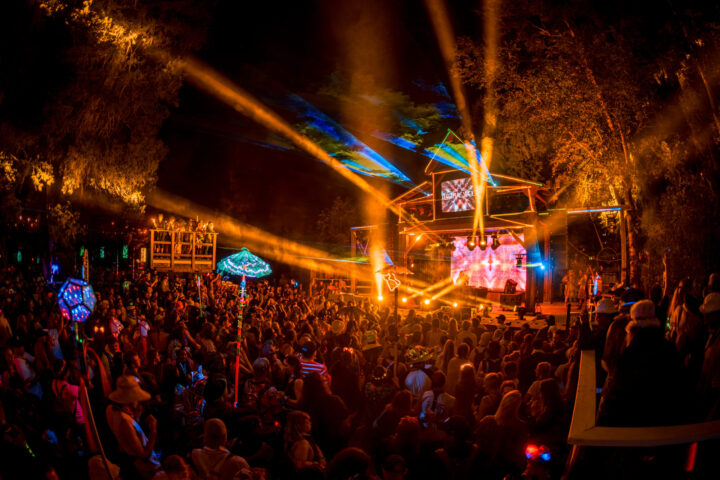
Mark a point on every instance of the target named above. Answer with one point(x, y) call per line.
point(567, 316)
point(239, 331)
point(397, 323)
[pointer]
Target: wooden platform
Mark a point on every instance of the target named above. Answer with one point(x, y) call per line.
point(182, 251)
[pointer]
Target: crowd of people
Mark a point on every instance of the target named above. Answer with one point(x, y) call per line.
point(329, 386)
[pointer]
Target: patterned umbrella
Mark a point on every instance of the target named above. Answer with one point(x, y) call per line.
point(76, 300)
point(248, 265)
point(244, 263)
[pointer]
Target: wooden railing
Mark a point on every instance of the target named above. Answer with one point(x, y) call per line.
point(585, 433)
point(182, 250)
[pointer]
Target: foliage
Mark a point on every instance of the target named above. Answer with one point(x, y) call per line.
point(102, 93)
point(335, 221)
point(591, 106)
point(64, 225)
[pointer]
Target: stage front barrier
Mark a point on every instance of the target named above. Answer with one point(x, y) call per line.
point(182, 251)
point(585, 433)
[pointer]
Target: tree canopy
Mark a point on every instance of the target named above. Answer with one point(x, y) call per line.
point(588, 105)
point(81, 101)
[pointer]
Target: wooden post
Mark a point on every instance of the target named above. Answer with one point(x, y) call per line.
point(214, 237)
point(353, 254)
point(172, 250)
point(549, 267)
point(567, 316)
point(152, 248)
point(192, 257)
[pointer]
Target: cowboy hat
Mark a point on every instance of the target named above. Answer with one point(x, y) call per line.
point(711, 303)
point(128, 391)
point(605, 305)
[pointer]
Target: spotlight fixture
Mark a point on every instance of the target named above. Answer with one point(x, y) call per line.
point(404, 299)
point(483, 242)
point(380, 298)
point(455, 304)
point(495, 241)
point(427, 301)
point(471, 243)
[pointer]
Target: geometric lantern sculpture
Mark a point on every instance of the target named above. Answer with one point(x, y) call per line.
point(76, 300)
point(244, 263)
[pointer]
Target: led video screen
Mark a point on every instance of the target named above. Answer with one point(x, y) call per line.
point(488, 268)
point(457, 195)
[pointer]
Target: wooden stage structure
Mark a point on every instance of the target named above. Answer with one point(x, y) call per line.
point(182, 251)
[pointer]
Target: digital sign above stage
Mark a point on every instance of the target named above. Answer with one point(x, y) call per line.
point(457, 195)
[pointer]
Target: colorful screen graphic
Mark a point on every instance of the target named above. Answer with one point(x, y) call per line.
point(488, 268)
point(457, 195)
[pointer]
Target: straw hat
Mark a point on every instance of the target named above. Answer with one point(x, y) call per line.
point(128, 391)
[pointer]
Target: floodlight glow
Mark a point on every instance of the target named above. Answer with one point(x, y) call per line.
point(595, 210)
point(427, 301)
point(380, 298)
point(404, 300)
point(455, 304)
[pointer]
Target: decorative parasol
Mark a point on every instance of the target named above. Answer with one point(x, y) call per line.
point(244, 263)
point(76, 300)
point(248, 265)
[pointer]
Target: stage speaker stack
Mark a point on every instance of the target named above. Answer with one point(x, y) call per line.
point(509, 295)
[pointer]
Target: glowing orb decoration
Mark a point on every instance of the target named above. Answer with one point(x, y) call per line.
point(76, 300)
point(244, 263)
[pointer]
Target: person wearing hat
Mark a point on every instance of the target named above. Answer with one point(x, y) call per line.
point(709, 385)
point(214, 460)
point(417, 381)
point(136, 448)
point(646, 388)
point(605, 312)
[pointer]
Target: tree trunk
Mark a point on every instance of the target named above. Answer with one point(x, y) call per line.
point(633, 244)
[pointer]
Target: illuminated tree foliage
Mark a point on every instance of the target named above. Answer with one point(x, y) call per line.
point(84, 90)
point(587, 99)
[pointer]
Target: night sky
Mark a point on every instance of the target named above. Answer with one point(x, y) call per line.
point(273, 49)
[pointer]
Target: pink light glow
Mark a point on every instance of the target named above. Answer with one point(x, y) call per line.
point(488, 268)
